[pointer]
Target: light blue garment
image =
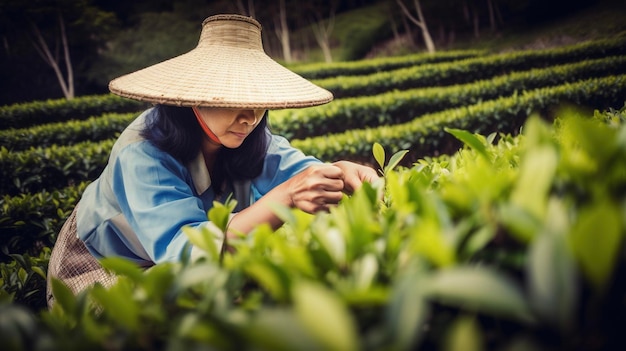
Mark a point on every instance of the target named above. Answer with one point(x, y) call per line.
point(144, 196)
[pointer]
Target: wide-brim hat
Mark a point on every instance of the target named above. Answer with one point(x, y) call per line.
point(228, 68)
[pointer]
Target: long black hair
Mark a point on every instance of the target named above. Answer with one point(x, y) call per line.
point(175, 130)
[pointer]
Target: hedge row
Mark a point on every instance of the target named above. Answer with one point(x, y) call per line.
point(22, 115)
point(343, 114)
point(53, 167)
point(94, 128)
point(468, 70)
point(29, 222)
point(400, 106)
point(320, 70)
point(425, 136)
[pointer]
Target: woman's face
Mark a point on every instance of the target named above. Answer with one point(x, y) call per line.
point(230, 126)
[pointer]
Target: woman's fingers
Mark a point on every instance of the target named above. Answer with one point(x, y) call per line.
point(320, 187)
point(317, 188)
point(355, 174)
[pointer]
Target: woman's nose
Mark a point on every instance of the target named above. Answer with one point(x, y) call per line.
point(250, 117)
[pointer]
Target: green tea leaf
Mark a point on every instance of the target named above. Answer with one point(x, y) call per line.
point(395, 159)
point(122, 267)
point(535, 180)
point(407, 310)
point(477, 289)
point(39, 271)
point(334, 243)
point(64, 297)
point(470, 140)
point(596, 238)
point(279, 329)
point(219, 214)
point(521, 224)
point(379, 154)
point(271, 277)
point(158, 279)
point(552, 279)
point(365, 270)
point(464, 335)
point(325, 317)
point(118, 304)
point(204, 239)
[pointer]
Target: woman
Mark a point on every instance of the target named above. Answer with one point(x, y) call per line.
point(205, 139)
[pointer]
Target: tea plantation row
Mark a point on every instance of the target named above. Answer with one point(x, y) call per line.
point(343, 114)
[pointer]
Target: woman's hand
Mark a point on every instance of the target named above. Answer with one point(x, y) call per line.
point(355, 174)
point(317, 188)
point(322, 186)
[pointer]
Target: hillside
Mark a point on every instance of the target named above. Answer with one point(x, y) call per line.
point(604, 19)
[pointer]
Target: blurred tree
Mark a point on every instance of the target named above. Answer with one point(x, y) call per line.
point(420, 21)
point(282, 30)
point(322, 23)
point(66, 34)
point(246, 10)
point(146, 43)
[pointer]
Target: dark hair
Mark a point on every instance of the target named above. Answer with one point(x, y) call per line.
point(175, 130)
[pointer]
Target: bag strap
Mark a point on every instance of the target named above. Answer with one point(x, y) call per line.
point(241, 193)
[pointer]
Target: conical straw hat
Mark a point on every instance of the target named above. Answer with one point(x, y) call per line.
point(227, 69)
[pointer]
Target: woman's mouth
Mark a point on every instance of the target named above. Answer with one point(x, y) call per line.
point(241, 135)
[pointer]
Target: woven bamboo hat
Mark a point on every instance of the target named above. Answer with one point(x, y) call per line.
point(228, 68)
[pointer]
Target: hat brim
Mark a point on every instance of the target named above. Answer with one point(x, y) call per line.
point(221, 77)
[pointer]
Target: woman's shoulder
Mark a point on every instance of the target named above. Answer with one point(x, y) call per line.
point(132, 143)
point(277, 143)
point(132, 133)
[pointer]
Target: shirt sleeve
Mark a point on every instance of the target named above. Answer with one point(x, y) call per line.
point(154, 194)
point(282, 162)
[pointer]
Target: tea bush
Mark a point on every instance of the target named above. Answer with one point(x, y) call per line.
point(94, 128)
point(55, 167)
point(396, 107)
point(517, 244)
point(470, 69)
point(26, 114)
point(319, 70)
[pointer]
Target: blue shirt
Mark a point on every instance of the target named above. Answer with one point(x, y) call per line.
point(137, 207)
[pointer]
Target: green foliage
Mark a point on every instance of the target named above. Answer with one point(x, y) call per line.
point(443, 262)
point(502, 241)
point(319, 70)
point(23, 115)
point(53, 167)
point(468, 70)
point(359, 31)
point(394, 107)
point(23, 280)
point(424, 135)
point(30, 222)
point(147, 43)
point(66, 133)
